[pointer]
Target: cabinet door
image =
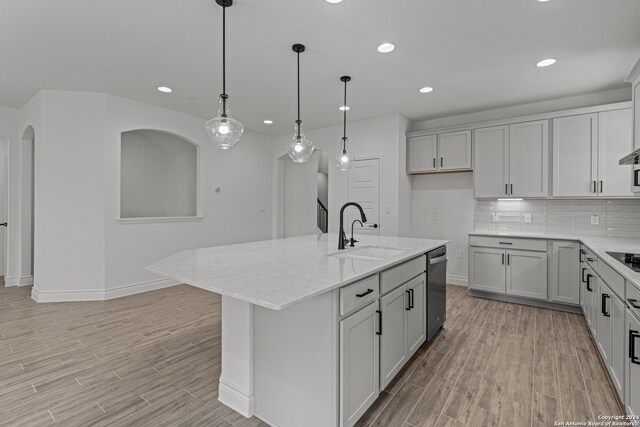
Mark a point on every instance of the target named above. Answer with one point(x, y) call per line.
point(636, 116)
point(393, 344)
point(632, 373)
point(529, 159)
point(604, 322)
point(565, 273)
point(486, 267)
point(422, 153)
point(575, 156)
point(618, 335)
point(455, 150)
point(359, 367)
point(592, 303)
point(491, 162)
point(614, 142)
point(417, 315)
point(527, 274)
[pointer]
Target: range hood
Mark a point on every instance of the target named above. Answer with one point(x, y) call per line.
point(631, 159)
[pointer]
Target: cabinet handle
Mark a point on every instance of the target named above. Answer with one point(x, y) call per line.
point(594, 187)
point(584, 270)
point(589, 259)
point(636, 178)
point(502, 259)
point(511, 187)
point(601, 186)
point(633, 302)
point(364, 293)
point(582, 252)
point(505, 243)
point(411, 298)
point(632, 347)
point(434, 162)
point(506, 189)
point(605, 313)
point(589, 276)
point(379, 332)
point(508, 259)
point(408, 293)
point(441, 161)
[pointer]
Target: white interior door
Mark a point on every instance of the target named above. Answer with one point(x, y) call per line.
point(363, 187)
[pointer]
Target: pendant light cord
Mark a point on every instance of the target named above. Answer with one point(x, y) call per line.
point(298, 121)
point(344, 135)
point(224, 95)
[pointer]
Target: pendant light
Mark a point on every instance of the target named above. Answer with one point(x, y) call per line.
point(344, 159)
point(299, 148)
point(223, 130)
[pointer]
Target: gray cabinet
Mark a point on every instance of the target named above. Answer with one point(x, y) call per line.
point(439, 153)
point(632, 375)
point(527, 274)
point(487, 269)
point(359, 367)
point(417, 314)
point(422, 154)
point(618, 356)
point(393, 341)
point(564, 278)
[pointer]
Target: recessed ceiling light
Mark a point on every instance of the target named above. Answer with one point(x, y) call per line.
point(543, 1)
point(165, 89)
point(344, 108)
point(386, 47)
point(426, 89)
point(334, 1)
point(267, 122)
point(546, 62)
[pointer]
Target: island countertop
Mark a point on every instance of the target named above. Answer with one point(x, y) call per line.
point(279, 273)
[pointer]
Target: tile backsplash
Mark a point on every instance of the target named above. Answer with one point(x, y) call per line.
point(619, 218)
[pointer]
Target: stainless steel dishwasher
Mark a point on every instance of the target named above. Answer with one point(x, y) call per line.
point(436, 290)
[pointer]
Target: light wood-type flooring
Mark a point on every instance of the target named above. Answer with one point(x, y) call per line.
point(154, 359)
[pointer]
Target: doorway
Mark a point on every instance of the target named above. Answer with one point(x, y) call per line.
point(27, 204)
point(4, 146)
point(363, 187)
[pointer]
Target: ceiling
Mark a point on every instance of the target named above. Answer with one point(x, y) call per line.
point(476, 54)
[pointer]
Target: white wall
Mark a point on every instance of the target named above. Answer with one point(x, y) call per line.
point(443, 209)
point(381, 137)
point(240, 212)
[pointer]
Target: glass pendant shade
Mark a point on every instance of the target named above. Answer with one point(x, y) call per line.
point(344, 159)
point(299, 148)
point(223, 130)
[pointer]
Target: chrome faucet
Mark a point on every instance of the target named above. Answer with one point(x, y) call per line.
point(342, 238)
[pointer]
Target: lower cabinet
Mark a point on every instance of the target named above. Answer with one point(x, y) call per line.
point(527, 274)
point(359, 367)
point(632, 365)
point(513, 272)
point(618, 356)
point(403, 312)
point(564, 278)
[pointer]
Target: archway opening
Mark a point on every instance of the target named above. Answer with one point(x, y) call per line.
point(28, 206)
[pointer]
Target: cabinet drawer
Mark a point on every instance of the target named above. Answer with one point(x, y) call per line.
point(611, 278)
point(509, 243)
point(400, 274)
point(359, 294)
point(633, 299)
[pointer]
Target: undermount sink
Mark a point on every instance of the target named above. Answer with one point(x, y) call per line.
point(372, 253)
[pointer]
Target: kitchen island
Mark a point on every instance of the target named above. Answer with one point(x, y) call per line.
point(310, 334)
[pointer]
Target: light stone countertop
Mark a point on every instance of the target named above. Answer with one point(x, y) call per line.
point(598, 245)
point(279, 273)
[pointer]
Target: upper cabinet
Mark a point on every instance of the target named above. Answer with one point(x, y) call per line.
point(634, 79)
point(512, 161)
point(444, 152)
point(586, 151)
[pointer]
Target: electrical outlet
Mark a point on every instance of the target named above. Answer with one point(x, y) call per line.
point(434, 216)
point(387, 210)
point(595, 220)
point(262, 209)
point(494, 217)
point(527, 218)
point(459, 254)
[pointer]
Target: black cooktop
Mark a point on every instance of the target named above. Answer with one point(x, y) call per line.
point(630, 260)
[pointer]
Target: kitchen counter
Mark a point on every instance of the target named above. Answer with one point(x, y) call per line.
point(278, 273)
point(599, 245)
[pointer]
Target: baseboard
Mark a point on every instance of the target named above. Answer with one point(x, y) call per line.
point(527, 301)
point(457, 280)
point(100, 294)
point(236, 399)
point(18, 281)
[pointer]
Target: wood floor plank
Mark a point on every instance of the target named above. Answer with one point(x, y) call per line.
point(400, 406)
point(431, 403)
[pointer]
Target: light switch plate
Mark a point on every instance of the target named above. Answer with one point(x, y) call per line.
point(527, 218)
point(595, 220)
point(494, 217)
